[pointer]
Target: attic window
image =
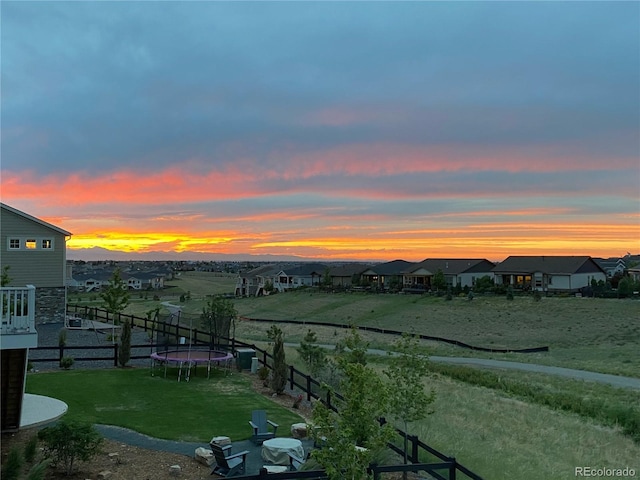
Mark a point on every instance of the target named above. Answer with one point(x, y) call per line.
point(30, 244)
point(14, 243)
point(46, 244)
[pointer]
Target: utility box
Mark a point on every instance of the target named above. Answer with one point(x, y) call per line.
point(244, 356)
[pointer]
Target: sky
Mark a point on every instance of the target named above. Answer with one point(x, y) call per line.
point(325, 130)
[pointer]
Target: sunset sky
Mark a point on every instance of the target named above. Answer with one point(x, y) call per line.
point(355, 130)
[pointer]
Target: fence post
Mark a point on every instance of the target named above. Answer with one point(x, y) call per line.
point(115, 354)
point(329, 399)
point(291, 377)
point(308, 388)
point(61, 353)
point(452, 468)
point(414, 448)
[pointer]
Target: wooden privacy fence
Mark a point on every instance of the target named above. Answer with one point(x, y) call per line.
point(439, 466)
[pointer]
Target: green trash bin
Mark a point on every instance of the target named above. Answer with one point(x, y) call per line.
point(244, 357)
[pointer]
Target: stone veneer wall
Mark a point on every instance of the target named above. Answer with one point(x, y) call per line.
point(50, 304)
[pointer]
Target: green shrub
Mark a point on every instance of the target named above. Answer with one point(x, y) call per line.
point(13, 465)
point(30, 449)
point(62, 337)
point(68, 442)
point(38, 470)
point(66, 362)
point(263, 373)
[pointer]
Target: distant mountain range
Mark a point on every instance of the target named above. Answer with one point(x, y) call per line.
point(98, 253)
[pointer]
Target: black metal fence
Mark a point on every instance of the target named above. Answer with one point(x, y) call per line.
point(439, 465)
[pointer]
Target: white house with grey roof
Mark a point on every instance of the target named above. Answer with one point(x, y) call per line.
point(548, 273)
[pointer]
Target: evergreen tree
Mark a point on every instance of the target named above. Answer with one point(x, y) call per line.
point(124, 353)
point(279, 373)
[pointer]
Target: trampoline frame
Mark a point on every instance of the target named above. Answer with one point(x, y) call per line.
point(188, 358)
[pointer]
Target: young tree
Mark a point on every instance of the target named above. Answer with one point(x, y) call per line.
point(68, 441)
point(116, 296)
point(218, 317)
point(327, 281)
point(439, 282)
point(408, 399)
point(279, 373)
point(311, 354)
point(353, 435)
point(124, 352)
point(353, 349)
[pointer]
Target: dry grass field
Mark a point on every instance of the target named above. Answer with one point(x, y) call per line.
point(585, 333)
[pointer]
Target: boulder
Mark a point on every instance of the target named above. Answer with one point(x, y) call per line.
point(299, 430)
point(204, 456)
point(221, 440)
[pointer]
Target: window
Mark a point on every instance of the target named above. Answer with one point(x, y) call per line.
point(30, 244)
point(46, 244)
point(14, 244)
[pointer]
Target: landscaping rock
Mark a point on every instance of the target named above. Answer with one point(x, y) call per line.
point(221, 440)
point(175, 470)
point(204, 456)
point(104, 474)
point(299, 430)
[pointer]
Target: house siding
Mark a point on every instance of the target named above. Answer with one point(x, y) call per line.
point(41, 268)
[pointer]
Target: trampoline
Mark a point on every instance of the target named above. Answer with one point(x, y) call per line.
point(191, 358)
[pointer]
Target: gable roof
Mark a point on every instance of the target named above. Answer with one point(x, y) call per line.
point(394, 267)
point(548, 264)
point(454, 266)
point(305, 269)
point(20, 213)
point(349, 270)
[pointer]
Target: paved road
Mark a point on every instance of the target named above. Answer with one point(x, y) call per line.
point(614, 380)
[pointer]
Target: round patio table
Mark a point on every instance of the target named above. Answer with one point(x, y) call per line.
point(276, 450)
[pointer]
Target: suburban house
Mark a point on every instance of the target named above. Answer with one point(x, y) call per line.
point(634, 274)
point(343, 275)
point(253, 282)
point(548, 273)
point(89, 281)
point(141, 280)
point(296, 276)
point(462, 272)
point(612, 266)
point(33, 263)
point(384, 274)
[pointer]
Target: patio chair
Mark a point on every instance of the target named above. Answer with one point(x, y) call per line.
point(228, 466)
point(260, 426)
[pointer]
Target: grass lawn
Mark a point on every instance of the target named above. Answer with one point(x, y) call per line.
point(160, 407)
